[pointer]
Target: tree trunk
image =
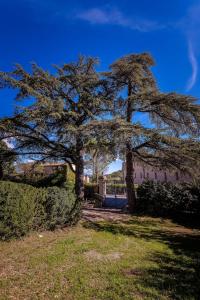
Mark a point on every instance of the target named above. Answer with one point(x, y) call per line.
point(79, 173)
point(79, 186)
point(96, 169)
point(131, 195)
point(95, 166)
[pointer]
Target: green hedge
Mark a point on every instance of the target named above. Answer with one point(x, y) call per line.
point(24, 208)
point(165, 199)
point(17, 205)
point(39, 181)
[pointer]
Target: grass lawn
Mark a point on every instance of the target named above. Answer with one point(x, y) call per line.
point(113, 258)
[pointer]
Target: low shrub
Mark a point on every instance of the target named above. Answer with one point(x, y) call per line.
point(90, 189)
point(165, 199)
point(98, 200)
point(24, 208)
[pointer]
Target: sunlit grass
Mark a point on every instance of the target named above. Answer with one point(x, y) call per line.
point(136, 258)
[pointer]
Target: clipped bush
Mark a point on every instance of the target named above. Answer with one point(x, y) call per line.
point(17, 209)
point(24, 208)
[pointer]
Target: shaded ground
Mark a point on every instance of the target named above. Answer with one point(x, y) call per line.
point(103, 214)
point(109, 256)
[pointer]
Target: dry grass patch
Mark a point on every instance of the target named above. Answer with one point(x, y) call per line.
point(95, 255)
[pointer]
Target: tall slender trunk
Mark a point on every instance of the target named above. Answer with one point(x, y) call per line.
point(131, 195)
point(79, 173)
point(96, 170)
point(79, 184)
point(95, 166)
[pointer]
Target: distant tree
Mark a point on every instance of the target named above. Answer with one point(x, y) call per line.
point(116, 175)
point(60, 123)
point(97, 161)
point(169, 137)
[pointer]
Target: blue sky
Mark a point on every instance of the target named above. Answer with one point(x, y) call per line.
point(55, 31)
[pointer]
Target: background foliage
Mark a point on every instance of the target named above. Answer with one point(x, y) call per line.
point(165, 199)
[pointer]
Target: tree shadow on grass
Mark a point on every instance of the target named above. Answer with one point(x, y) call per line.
point(187, 220)
point(176, 274)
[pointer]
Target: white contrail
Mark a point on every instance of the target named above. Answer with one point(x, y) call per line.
point(194, 64)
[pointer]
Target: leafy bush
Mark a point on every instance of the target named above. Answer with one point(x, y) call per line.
point(90, 189)
point(24, 208)
point(166, 199)
point(70, 178)
point(194, 204)
point(98, 200)
point(58, 205)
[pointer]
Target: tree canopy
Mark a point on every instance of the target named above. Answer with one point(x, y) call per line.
point(76, 110)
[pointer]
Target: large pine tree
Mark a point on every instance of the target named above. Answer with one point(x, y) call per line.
point(169, 137)
point(58, 123)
